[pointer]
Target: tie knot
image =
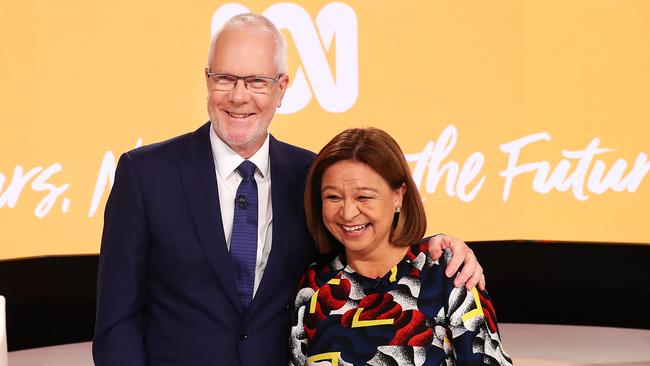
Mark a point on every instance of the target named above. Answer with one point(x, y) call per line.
point(246, 169)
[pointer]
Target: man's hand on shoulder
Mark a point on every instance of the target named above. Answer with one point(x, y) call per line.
point(472, 273)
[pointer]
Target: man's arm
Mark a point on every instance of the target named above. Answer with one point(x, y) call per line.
point(121, 277)
point(472, 272)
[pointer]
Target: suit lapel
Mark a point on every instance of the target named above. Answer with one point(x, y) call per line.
point(283, 194)
point(200, 185)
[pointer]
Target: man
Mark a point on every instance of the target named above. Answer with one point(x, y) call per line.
point(200, 251)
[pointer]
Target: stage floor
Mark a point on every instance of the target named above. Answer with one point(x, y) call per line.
point(528, 344)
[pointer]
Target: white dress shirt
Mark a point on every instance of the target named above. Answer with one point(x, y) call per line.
point(226, 161)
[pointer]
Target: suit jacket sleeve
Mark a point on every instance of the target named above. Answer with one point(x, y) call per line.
point(121, 289)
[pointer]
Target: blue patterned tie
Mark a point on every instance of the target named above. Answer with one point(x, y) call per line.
point(243, 242)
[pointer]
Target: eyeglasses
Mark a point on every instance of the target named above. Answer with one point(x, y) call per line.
point(253, 83)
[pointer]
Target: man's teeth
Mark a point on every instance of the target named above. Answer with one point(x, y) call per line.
point(239, 115)
point(352, 229)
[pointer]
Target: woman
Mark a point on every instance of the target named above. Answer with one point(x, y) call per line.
point(382, 300)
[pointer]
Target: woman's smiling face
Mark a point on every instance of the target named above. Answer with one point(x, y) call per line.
point(358, 206)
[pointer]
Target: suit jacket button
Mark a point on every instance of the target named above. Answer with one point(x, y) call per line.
point(243, 334)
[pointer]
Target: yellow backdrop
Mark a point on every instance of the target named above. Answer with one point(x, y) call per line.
point(521, 119)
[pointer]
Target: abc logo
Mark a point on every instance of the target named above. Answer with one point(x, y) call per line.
point(313, 39)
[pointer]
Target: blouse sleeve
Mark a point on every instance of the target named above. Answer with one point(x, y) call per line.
point(298, 339)
point(473, 327)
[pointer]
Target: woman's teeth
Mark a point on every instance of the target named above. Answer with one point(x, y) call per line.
point(352, 229)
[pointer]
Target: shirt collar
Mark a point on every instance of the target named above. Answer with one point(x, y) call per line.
point(227, 160)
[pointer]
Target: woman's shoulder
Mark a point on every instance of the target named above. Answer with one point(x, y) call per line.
point(419, 252)
point(425, 268)
point(321, 271)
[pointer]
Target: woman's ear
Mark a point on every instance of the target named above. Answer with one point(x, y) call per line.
point(398, 195)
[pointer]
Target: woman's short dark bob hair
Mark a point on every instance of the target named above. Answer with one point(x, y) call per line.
point(376, 149)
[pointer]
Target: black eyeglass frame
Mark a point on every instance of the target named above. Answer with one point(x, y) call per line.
point(247, 79)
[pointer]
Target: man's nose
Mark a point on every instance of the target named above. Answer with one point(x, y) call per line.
point(239, 94)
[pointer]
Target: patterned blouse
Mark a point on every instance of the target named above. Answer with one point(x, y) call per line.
point(412, 316)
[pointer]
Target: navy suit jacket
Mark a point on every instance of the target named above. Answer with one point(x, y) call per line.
point(166, 291)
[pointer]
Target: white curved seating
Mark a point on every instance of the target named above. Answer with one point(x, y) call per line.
point(3, 333)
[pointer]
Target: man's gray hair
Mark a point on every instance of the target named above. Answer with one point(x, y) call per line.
point(255, 23)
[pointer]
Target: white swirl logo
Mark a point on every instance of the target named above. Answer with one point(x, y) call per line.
point(334, 94)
